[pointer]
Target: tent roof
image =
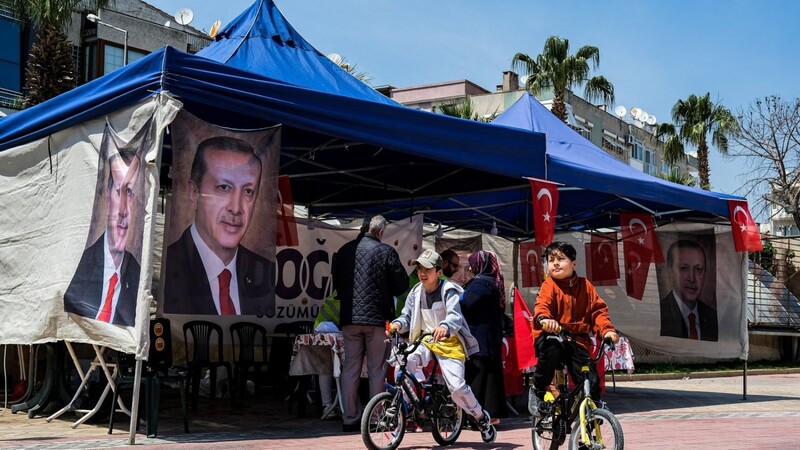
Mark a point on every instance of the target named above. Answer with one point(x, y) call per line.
point(260, 40)
point(345, 155)
point(593, 177)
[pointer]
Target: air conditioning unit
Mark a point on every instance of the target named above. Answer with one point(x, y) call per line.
point(630, 139)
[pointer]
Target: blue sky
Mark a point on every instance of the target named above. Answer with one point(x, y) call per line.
point(654, 52)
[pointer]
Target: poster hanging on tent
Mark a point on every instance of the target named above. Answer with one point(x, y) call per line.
point(77, 230)
point(692, 304)
point(219, 256)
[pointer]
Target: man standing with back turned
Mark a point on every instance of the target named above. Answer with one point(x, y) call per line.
point(366, 275)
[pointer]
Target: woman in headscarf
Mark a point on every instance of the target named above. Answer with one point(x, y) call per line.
point(483, 306)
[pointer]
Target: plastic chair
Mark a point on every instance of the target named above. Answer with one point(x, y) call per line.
point(155, 372)
point(250, 353)
point(201, 332)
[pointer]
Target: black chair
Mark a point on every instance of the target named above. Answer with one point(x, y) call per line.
point(156, 371)
point(280, 358)
point(201, 332)
point(250, 353)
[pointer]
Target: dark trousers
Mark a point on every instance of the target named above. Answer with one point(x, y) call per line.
point(551, 354)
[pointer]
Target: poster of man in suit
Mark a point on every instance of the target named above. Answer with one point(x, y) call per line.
point(687, 286)
point(106, 281)
point(220, 255)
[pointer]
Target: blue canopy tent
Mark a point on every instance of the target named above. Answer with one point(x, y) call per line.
point(260, 40)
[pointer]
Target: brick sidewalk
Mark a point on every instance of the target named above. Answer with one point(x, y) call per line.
point(707, 413)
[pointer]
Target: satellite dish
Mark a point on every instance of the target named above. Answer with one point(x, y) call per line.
point(336, 58)
point(214, 29)
point(643, 117)
point(635, 112)
point(184, 16)
point(524, 80)
point(620, 111)
point(651, 120)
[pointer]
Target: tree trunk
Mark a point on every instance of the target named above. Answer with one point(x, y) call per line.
point(559, 109)
point(702, 165)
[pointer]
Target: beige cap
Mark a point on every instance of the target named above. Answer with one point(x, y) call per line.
point(428, 259)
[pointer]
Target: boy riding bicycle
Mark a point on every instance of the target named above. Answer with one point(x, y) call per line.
point(433, 306)
point(569, 301)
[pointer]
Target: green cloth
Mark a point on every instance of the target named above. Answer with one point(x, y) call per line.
point(329, 311)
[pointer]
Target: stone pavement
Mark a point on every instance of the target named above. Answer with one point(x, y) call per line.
point(691, 413)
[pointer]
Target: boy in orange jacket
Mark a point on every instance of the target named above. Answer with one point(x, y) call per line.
point(569, 301)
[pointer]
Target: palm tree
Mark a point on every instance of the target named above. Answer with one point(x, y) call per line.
point(465, 110)
point(50, 70)
point(680, 178)
point(352, 69)
point(694, 118)
point(556, 69)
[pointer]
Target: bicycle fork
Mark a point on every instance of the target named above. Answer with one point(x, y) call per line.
point(587, 405)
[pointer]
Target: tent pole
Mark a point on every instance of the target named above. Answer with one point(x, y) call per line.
point(137, 387)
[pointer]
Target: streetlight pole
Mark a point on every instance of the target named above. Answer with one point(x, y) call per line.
point(94, 18)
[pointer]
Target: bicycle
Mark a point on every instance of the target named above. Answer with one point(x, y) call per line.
point(383, 424)
point(595, 428)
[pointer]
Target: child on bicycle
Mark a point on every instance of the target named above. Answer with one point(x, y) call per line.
point(569, 301)
point(433, 306)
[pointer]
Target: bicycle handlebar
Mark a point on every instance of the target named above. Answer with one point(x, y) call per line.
point(405, 347)
point(568, 336)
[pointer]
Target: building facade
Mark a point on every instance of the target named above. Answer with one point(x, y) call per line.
point(623, 137)
point(98, 46)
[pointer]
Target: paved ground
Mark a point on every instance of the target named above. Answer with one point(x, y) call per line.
point(694, 413)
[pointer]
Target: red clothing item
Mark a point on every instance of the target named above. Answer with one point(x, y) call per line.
point(575, 305)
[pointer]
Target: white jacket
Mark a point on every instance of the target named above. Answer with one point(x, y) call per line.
point(447, 313)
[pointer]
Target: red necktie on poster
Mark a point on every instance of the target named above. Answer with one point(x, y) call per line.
point(545, 209)
point(226, 307)
point(523, 340)
point(602, 263)
point(105, 312)
point(746, 237)
point(692, 326)
point(287, 224)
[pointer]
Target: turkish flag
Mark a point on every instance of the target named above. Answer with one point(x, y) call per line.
point(746, 237)
point(637, 266)
point(287, 224)
point(512, 374)
point(639, 227)
point(545, 208)
point(602, 265)
point(523, 338)
point(530, 258)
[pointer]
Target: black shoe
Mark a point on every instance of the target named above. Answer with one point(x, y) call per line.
point(351, 427)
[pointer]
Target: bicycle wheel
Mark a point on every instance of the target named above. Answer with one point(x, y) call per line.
point(384, 422)
point(604, 431)
point(447, 422)
point(548, 433)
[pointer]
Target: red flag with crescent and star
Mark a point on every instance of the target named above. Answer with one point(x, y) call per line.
point(523, 329)
point(287, 224)
point(639, 248)
point(545, 209)
point(530, 258)
point(746, 237)
point(602, 263)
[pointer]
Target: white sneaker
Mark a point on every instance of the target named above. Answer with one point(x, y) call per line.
point(488, 431)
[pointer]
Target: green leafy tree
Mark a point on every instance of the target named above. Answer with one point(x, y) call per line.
point(675, 176)
point(463, 109)
point(352, 69)
point(50, 70)
point(556, 69)
point(694, 120)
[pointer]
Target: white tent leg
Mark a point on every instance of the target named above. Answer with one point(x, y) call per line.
point(137, 383)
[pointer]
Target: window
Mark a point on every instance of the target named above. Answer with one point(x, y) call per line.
point(650, 162)
point(666, 168)
point(637, 152)
point(112, 57)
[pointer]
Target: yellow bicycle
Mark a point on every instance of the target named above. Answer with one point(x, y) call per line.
point(564, 412)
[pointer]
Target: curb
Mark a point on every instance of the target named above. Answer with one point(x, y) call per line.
point(682, 375)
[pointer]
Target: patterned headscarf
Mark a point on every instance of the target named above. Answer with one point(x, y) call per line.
point(485, 263)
